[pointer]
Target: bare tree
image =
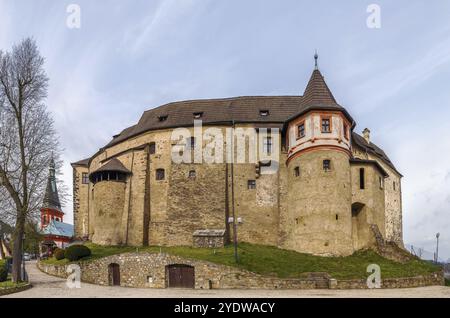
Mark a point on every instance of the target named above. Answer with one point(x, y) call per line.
point(27, 139)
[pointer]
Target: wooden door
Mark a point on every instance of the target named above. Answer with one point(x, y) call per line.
point(114, 274)
point(181, 276)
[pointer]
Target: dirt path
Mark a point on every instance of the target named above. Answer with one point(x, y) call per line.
point(45, 286)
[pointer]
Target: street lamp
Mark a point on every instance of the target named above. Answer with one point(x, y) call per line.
point(437, 247)
point(235, 221)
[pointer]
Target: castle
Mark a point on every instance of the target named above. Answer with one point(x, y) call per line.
point(329, 191)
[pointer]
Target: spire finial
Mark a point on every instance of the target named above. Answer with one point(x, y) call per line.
point(316, 57)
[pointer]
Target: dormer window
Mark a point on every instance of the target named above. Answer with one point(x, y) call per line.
point(162, 118)
point(264, 113)
point(198, 115)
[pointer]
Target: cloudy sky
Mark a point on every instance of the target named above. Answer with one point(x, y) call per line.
point(129, 56)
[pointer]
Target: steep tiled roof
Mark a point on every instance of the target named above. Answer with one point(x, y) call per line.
point(372, 162)
point(238, 109)
point(317, 92)
point(373, 149)
point(244, 109)
point(113, 165)
point(83, 163)
point(214, 111)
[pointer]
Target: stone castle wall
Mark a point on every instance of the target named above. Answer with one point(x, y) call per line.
point(109, 200)
point(80, 202)
point(311, 213)
point(393, 198)
point(318, 219)
point(372, 198)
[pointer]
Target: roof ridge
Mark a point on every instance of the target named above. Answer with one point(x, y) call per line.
point(222, 99)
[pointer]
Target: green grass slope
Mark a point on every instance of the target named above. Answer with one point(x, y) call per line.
point(267, 260)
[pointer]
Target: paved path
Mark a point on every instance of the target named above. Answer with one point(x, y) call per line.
point(46, 286)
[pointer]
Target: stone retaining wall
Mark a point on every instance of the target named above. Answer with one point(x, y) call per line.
point(432, 279)
point(146, 270)
point(12, 290)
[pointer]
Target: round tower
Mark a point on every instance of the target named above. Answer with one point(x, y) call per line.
point(109, 199)
point(318, 210)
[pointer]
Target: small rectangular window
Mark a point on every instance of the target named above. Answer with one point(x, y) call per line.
point(264, 113)
point(160, 174)
point(251, 184)
point(198, 115)
point(393, 185)
point(192, 174)
point(381, 182)
point(84, 178)
point(362, 182)
point(301, 130)
point(327, 165)
point(297, 172)
point(326, 125)
point(152, 148)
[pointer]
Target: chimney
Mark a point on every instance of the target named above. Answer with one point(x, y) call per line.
point(366, 135)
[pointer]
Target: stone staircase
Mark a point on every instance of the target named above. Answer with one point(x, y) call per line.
point(320, 279)
point(388, 249)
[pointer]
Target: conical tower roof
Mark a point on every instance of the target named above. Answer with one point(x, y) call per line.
point(317, 92)
point(51, 198)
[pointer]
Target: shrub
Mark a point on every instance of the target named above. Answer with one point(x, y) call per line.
point(59, 254)
point(3, 271)
point(75, 252)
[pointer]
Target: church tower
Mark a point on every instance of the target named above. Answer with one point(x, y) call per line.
point(51, 208)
